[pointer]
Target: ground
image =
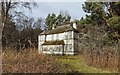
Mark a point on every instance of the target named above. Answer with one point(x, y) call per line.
point(77, 64)
point(30, 61)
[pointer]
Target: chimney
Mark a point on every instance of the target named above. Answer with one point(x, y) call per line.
point(74, 25)
point(53, 27)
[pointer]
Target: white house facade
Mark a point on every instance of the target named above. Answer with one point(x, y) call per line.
point(61, 40)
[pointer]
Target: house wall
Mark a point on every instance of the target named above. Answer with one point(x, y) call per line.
point(76, 41)
point(70, 40)
point(69, 43)
point(52, 49)
point(53, 37)
point(59, 36)
point(41, 40)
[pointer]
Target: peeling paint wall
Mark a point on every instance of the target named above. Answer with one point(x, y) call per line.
point(70, 47)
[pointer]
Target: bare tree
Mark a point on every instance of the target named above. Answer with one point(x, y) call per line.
point(8, 11)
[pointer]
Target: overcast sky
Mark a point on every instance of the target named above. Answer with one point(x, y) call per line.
point(44, 8)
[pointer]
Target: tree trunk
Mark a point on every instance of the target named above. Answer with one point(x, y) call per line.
point(1, 46)
point(119, 56)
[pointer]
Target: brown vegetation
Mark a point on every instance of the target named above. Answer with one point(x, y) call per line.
point(98, 49)
point(104, 58)
point(29, 61)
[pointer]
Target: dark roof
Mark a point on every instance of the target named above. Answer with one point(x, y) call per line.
point(61, 42)
point(59, 29)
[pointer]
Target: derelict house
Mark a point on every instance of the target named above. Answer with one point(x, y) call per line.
point(60, 40)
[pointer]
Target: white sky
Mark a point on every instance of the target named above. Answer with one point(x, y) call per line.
point(52, 0)
point(44, 8)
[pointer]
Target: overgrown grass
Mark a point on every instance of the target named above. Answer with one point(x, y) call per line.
point(77, 64)
point(29, 61)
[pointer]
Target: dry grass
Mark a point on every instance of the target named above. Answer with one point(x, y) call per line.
point(98, 49)
point(29, 61)
point(107, 58)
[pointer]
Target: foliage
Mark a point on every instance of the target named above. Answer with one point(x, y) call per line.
point(13, 20)
point(23, 35)
point(86, 20)
point(50, 20)
point(29, 38)
point(103, 14)
point(114, 8)
point(56, 20)
point(96, 10)
point(100, 34)
point(9, 34)
point(97, 48)
point(8, 9)
point(114, 23)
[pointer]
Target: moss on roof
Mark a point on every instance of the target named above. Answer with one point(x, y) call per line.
point(59, 29)
point(61, 42)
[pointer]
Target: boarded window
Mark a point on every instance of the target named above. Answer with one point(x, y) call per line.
point(51, 49)
point(70, 47)
point(45, 49)
point(61, 48)
point(66, 47)
point(58, 48)
point(52, 37)
point(66, 36)
point(70, 35)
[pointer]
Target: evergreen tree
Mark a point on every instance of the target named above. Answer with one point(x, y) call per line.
point(57, 20)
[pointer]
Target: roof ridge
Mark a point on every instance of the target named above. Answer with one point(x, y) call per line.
point(59, 29)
